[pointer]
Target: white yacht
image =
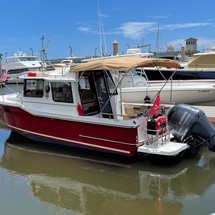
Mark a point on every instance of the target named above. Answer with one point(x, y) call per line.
point(20, 64)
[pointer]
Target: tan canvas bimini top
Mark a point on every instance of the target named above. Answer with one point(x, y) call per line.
point(124, 64)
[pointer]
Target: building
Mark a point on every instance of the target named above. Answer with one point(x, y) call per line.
point(191, 46)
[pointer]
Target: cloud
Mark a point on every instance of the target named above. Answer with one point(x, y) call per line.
point(139, 30)
point(86, 26)
point(205, 43)
point(136, 30)
point(185, 25)
point(84, 29)
point(116, 9)
point(159, 17)
point(177, 43)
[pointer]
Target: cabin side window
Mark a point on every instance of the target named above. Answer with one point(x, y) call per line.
point(62, 92)
point(33, 88)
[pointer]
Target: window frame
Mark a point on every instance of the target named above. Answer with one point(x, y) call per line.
point(33, 88)
point(58, 92)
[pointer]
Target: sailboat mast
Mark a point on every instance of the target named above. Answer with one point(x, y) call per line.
point(103, 47)
point(157, 44)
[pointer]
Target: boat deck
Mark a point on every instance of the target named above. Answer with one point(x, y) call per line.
point(135, 108)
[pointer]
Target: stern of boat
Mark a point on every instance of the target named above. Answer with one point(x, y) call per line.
point(157, 140)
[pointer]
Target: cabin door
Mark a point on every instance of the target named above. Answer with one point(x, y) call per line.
point(103, 94)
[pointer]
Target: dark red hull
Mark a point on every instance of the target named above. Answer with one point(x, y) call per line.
point(117, 140)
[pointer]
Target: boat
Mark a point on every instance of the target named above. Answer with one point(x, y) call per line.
point(64, 66)
point(90, 115)
point(19, 64)
point(64, 63)
point(200, 66)
point(131, 52)
point(137, 88)
point(3, 77)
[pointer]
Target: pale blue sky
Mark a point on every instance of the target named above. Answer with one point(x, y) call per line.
point(72, 26)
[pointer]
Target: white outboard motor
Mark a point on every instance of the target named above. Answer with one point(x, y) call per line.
point(189, 124)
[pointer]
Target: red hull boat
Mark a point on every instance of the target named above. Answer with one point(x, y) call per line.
point(83, 109)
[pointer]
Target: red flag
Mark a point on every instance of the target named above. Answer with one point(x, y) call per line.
point(156, 105)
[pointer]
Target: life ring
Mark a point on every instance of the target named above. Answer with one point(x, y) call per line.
point(161, 124)
point(155, 125)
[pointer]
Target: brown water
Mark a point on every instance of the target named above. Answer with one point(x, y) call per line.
point(35, 179)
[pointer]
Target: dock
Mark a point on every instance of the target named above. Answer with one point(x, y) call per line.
point(209, 112)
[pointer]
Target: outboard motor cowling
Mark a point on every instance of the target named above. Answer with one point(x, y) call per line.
point(187, 122)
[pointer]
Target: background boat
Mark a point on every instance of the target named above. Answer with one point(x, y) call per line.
point(20, 64)
point(137, 88)
point(200, 66)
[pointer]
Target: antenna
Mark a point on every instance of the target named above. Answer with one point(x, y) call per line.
point(101, 33)
point(43, 51)
point(0, 63)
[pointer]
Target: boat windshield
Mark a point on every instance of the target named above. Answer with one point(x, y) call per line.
point(28, 59)
point(22, 58)
point(66, 62)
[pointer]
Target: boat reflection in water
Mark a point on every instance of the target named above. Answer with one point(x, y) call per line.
point(84, 185)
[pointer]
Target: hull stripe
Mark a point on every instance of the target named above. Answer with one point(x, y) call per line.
point(113, 141)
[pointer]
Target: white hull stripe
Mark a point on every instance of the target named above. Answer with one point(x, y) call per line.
point(113, 141)
point(67, 140)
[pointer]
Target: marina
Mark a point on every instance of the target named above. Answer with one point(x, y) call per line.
point(60, 180)
point(113, 114)
point(87, 139)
